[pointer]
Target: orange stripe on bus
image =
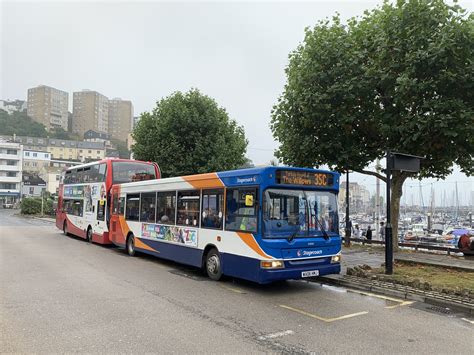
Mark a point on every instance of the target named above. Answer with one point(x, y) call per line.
point(141, 245)
point(250, 241)
point(203, 181)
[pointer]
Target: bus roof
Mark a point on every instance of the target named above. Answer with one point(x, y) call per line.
point(239, 177)
point(105, 160)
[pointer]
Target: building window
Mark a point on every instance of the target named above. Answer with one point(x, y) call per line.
point(27, 154)
point(32, 190)
point(35, 154)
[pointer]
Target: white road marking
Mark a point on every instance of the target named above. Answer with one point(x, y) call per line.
point(467, 320)
point(276, 335)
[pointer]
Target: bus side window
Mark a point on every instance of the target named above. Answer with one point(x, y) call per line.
point(188, 208)
point(166, 207)
point(121, 205)
point(148, 207)
point(100, 210)
point(242, 207)
point(212, 209)
point(133, 207)
point(115, 204)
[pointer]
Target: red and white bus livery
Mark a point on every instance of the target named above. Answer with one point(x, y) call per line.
point(84, 195)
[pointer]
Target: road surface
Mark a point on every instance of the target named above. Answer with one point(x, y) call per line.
point(61, 294)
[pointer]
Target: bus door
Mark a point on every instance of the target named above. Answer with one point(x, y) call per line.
point(101, 223)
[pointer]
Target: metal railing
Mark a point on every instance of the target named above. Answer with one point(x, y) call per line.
point(414, 245)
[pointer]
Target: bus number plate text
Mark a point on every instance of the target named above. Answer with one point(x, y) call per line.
point(310, 273)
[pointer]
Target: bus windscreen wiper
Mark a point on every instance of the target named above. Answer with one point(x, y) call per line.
point(325, 234)
point(292, 236)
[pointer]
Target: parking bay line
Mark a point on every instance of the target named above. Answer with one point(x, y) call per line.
point(400, 302)
point(326, 320)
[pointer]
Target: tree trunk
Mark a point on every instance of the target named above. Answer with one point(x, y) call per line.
point(398, 179)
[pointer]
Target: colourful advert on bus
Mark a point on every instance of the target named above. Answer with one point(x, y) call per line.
point(182, 235)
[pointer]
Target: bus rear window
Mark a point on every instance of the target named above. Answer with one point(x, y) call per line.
point(127, 172)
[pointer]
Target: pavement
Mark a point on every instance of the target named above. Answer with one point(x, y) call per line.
point(61, 295)
point(374, 256)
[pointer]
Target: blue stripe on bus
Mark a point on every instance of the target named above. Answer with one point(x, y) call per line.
point(174, 252)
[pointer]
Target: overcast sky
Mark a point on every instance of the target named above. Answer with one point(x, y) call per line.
point(235, 52)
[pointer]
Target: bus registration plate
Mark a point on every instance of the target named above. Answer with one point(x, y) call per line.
point(310, 273)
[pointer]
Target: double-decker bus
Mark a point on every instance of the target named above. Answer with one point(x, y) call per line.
point(259, 224)
point(84, 195)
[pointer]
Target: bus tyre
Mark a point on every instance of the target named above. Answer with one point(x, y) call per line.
point(65, 228)
point(131, 245)
point(213, 265)
point(89, 235)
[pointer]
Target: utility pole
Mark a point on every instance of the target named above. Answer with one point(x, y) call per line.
point(388, 226)
point(377, 199)
point(347, 239)
point(42, 203)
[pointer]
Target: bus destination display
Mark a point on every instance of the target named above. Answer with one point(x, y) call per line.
point(290, 177)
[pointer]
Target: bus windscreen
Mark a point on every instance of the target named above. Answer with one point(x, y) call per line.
point(123, 172)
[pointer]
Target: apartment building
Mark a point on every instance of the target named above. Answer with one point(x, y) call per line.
point(36, 162)
point(120, 118)
point(48, 106)
point(90, 111)
point(11, 156)
point(62, 149)
point(90, 151)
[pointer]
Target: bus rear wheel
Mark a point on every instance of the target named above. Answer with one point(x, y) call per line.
point(89, 235)
point(131, 245)
point(214, 265)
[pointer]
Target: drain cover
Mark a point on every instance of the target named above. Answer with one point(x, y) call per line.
point(440, 310)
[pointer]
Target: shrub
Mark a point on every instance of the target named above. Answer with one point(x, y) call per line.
point(30, 205)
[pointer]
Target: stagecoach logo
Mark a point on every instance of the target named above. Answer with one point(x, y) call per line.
point(301, 253)
point(247, 180)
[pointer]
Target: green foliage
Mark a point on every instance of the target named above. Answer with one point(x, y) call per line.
point(59, 133)
point(20, 124)
point(122, 149)
point(401, 77)
point(30, 205)
point(188, 133)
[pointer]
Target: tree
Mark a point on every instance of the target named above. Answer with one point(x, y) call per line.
point(188, 133)
point(401, 78)
point(20, 124)
point(122, 149)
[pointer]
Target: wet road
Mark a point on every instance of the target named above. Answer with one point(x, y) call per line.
point(61, 294)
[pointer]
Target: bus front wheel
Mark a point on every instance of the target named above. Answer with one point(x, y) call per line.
point(131, 245)
point(214, 265)
point(65, 228)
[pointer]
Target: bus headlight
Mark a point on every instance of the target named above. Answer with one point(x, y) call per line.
point(336, 258)
point(272, 264)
